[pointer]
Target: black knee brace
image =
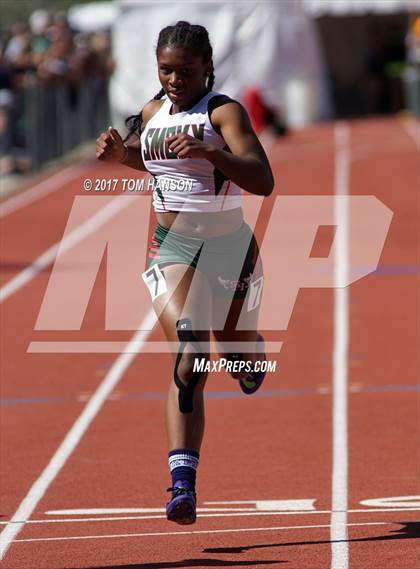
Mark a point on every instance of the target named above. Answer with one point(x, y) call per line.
point(186, 392)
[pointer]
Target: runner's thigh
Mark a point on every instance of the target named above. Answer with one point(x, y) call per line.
point(187, 295)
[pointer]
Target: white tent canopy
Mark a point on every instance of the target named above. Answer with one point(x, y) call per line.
point(102, 14)
point(315, 7)
point(355, 7)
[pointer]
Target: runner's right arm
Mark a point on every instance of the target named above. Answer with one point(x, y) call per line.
point(111, 148)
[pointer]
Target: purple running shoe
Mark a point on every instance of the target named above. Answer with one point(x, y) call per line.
point(181, 507)
point(254, 379)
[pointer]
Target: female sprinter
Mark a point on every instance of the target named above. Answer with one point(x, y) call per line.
point(204, 260)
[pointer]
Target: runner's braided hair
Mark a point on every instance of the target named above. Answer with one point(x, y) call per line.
point(185, 35)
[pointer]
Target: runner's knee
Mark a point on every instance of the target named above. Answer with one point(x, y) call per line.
point(189, 364)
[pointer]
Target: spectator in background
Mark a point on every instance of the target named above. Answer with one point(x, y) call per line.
point(412, 42)
point(12, 117)
point(39, 23)
point(6, 101)
point(19, 45)
point(411, 75)
point(61, 26)
point(261, 115)
point(54, 65)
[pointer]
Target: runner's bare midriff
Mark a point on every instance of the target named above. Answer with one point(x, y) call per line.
point(199, 224)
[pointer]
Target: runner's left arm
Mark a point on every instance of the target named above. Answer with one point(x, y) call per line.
point(246, 164)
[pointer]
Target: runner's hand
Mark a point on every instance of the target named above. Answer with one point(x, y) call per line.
point(110, 146)
point(186, 146)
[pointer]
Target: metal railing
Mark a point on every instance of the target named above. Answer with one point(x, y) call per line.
point(55, 118)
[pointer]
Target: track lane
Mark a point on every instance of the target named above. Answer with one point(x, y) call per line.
point(384, 425)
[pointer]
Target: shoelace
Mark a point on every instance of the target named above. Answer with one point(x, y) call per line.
point(181, 490)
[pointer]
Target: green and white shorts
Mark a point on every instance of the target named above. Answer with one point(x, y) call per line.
point(230, 262)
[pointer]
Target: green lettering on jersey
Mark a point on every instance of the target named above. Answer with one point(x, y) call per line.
point(198, 131)
point(170, 131)
point(154, 144)
point(146, 153)
point(183, 129)
point(161, 144)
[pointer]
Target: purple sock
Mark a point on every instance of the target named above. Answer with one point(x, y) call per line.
point(183, 464)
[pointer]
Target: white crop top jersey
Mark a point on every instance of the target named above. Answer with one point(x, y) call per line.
point(187, 184)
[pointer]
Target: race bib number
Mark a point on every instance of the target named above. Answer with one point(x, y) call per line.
point(255, 292)
point(155, 281)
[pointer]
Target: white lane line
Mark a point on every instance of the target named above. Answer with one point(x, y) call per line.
point(73, 437)
point(48, 257)
point(42, 189)
point(412, 128)
point(267, 505)
point(167, 533)
point(203, 514)
point(339, 534)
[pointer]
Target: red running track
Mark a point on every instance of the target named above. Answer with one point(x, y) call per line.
point(267, 460)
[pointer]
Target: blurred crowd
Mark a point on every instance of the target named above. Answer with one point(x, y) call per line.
point(44, 51)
